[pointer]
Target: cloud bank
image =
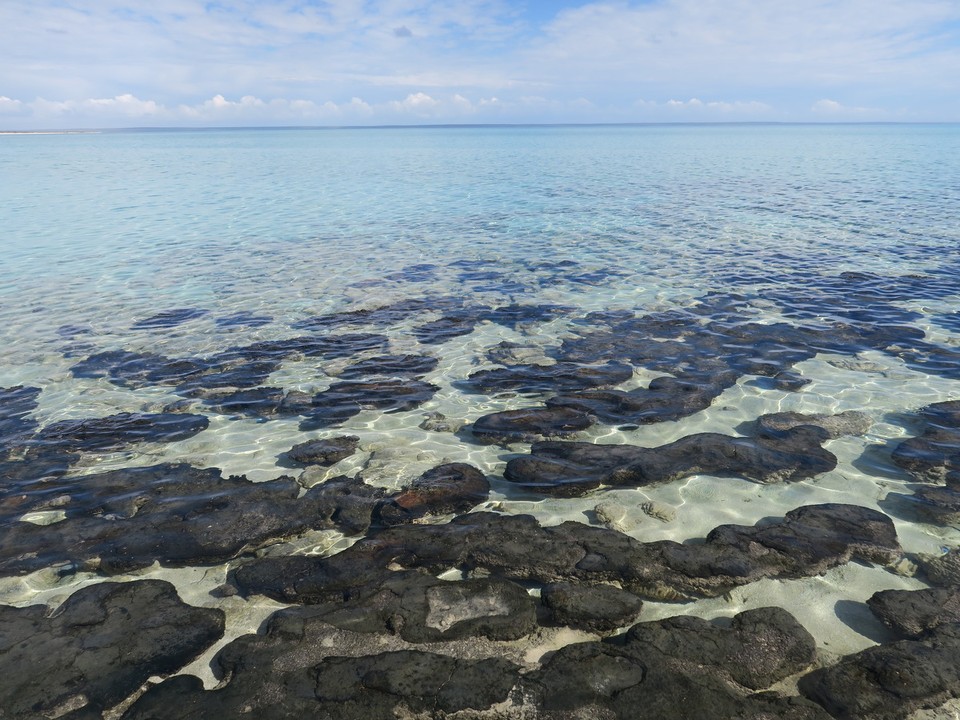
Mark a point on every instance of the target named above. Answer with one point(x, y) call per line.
point(186, 62)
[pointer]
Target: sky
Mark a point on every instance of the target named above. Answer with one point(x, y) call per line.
point(134, 63)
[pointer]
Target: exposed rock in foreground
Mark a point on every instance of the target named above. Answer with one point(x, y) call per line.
point(672, 669)
point(888, 682)
point(911, 613)
point(98, 647)
point(177, 515)
point(807, 541)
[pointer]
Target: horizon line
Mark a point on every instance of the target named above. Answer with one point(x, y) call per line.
point(396, 126)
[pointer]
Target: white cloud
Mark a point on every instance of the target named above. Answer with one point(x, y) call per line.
point(832, 107)
point(9, 105)
point(126, 106)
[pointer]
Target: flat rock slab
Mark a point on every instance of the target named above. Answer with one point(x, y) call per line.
point(806, 542)
point(890, 681)
point(911, 613)
point(384, 685)
point(568, 469)
point(842, 424)
point(675, 669)
point(759, 648)
point(603, 680)
point(596, 608)
point(419, 608)
point(325, 452)
point(98, 647)
point(530, 424)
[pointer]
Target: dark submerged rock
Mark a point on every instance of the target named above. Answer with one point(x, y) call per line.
point(665, 398)
point(530, 424)
point(547, 378)
point(446, 328)
point(911, 613)
point(570, 469)
point(390, 366)
point(169, 318)
point(382, 316)
point(98, 647)
point(323, 452)
point(258, 402)
point(16, 404)
point(244, 318)
point(343, 400)
point(890, 681)
point(935, 454)
point(597, 608)
point(118, 431)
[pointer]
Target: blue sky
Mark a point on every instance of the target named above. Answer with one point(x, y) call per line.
point(123, 63)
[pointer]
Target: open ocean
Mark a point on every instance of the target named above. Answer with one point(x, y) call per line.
point(179, 309)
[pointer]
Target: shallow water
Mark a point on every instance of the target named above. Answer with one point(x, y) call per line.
point(189, 244)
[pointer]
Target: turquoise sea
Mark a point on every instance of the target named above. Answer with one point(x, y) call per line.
point(243, 278)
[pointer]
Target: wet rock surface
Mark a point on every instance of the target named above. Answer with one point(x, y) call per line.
point(597, 608)
point(842, 424)
point(530, 425)
point(911, 613)
point(760, 647)
point(180, 515)
point(323, 452)
point(98, 647)
point(784, 449)
point(941, 570)
point(448, 488)
point(340, 688)
point(680, 668)
point(175, 514)
point(890, 681)
point(807, 541)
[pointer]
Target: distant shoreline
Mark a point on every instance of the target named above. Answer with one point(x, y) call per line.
point(50, 132)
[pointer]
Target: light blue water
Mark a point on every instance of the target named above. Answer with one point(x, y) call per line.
point(100, 231)
point(167, 218)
